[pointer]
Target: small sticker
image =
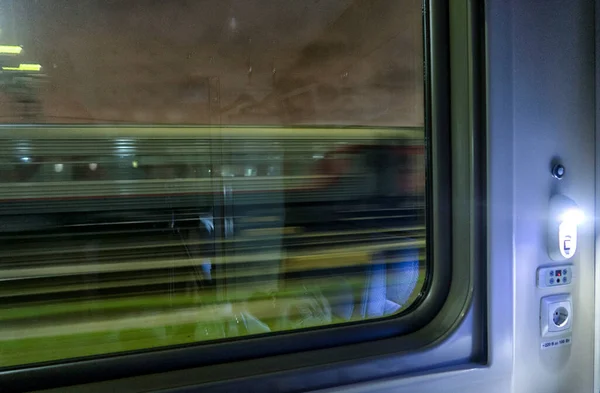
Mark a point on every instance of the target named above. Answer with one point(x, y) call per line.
point(556, 343)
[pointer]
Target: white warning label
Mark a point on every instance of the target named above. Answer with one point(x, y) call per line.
point(556, 343)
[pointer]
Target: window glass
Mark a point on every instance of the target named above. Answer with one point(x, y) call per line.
point(182, 171)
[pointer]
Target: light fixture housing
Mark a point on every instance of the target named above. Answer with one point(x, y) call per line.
point(563, 222)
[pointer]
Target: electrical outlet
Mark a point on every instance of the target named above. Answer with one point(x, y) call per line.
point(556, 315)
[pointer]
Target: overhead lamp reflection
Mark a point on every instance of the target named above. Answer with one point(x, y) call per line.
point(24, 67)
point(10, 49)
point(124, 146)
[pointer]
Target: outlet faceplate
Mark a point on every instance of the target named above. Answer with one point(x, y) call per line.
point(556, 315)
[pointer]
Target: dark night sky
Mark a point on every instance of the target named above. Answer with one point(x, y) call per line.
point(227, 61)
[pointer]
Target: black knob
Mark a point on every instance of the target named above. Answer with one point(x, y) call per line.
point(558, 171)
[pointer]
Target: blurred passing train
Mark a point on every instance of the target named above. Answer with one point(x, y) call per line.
point(140, 237)
point(53, 174)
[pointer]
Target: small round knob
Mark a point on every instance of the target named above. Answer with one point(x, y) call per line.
point(558, 171)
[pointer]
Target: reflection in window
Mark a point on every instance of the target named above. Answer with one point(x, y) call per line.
point(181, 171)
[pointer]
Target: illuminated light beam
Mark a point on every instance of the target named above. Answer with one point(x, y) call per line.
point(10, 50)
point(24, 67)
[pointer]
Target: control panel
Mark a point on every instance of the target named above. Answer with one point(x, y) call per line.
point(552, 276)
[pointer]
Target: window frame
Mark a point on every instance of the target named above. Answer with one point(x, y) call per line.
point(334, 355)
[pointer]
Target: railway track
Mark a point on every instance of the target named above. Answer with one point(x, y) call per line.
point(105, 267)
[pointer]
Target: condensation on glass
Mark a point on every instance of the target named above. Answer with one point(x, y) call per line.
point(176, 172)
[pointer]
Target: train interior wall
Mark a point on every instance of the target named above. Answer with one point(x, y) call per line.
point(541, 106)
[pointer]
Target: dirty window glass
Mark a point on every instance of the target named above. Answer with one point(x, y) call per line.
point(178, 171)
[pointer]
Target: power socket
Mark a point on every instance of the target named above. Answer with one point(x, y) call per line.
point(556, 315)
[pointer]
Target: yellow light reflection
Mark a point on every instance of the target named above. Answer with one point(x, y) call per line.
point(24, 67)
point(10, 50)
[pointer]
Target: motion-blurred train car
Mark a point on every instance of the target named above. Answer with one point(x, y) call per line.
point(238, 223)
point(52, 175)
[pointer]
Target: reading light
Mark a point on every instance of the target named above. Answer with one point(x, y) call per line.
point(565, 217)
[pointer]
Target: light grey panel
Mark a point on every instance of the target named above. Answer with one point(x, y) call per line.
point(597, 271)
point(553, 90)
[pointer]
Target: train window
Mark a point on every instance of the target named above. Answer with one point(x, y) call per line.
point(190, 172)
